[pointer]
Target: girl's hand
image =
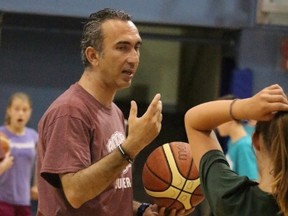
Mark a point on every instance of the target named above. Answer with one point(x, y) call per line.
point(263, 105)
point(34, 193)
point(6, 163)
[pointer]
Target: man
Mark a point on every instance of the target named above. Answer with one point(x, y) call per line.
point(84, 157)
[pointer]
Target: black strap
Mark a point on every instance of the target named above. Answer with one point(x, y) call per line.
point(142, 209)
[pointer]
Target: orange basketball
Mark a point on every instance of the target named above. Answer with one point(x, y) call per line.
point(170, 178)
point(4, 143)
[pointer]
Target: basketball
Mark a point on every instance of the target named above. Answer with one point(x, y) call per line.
point(171, 179)
point(4, 143)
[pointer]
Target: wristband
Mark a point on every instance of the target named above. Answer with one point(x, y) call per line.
point(142, 209)
point(230, 110)
point(125, 155)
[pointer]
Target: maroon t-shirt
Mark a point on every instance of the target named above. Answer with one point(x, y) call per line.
point(75, 132)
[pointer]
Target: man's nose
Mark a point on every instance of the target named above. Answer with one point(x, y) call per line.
point(134, 57)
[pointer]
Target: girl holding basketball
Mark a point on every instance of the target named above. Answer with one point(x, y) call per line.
point(227, 192)
point(15, 183)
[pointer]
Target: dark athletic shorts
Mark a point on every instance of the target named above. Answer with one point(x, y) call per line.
point(14, 210)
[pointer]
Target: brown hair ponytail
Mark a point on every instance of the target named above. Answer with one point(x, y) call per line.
point(275, 135)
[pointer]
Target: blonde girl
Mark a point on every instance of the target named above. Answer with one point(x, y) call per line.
point(15, 183)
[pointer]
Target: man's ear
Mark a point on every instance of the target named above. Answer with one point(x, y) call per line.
point(92, 55)
point(255, 141)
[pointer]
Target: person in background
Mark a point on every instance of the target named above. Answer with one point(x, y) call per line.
point(240, 153)
point(84, 164)
point(15, 183)
point(227, 192)
point(249, 126)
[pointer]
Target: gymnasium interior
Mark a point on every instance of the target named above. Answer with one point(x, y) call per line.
point(192, 52)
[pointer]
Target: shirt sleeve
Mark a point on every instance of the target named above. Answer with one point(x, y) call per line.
point(222, 187)
point(67, 148)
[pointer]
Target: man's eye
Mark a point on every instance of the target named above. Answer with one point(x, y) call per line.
point(138, 48)
point(122, 48)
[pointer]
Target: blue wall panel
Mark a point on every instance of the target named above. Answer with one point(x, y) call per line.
point(209, 13)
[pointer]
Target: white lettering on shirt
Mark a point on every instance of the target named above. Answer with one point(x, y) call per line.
point(116, 139)
point(28, 145)
point(123, 183)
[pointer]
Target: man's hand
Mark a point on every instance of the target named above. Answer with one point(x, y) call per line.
point(155, 210)
point(143, 130)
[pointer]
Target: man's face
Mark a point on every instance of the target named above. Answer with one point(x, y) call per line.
point(120, 57)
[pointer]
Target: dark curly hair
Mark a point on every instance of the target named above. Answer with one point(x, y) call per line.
point(92, 33)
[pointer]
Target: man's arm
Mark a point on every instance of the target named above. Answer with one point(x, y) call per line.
point(90, 182)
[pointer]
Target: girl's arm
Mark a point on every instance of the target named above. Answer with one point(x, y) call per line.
point(202, 119)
